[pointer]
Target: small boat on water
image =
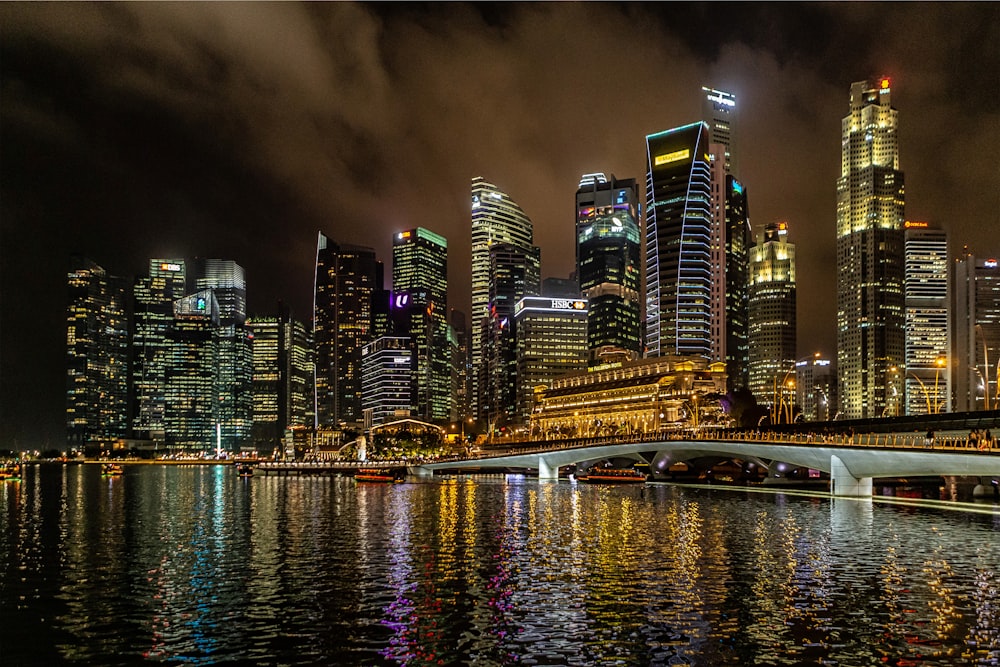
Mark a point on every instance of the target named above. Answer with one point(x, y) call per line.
point(612, 476)
point(11, 471)
point(112, 470)
point(244, 469)
point(381, 475)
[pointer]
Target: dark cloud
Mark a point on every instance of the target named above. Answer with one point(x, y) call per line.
point(133, 130)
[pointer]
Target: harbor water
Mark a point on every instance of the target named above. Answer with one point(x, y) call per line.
point(196, 565)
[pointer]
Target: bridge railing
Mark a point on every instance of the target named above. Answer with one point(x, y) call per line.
point(948, 441)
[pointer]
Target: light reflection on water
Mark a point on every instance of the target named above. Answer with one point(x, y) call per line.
point(197, 565)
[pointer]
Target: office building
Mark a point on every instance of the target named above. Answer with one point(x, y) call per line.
point(420, 272)
point(609, 266)
point(816, 389)
point(514, 274)
point(462, 363)
point(154, 297)
point(928, 355)
point(678, 242)
point(234, 371)
point(870, 216)
point(496, 219)
point(552, 340)
point(283, 371)
point(976, 332)
point(190, 416)
point(348, 278)
point(387, 380)
point(719, 112)
point(97, 351)
point(771, 309)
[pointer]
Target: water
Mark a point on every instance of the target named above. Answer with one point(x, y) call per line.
point(194, 565)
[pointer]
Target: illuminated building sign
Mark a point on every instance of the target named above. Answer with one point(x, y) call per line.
point(402, 300)
point(990, 264)
point(737, 187)
point(403, 235)
point(539, 303)
point(885, 84)
point(170, 267)
point(667, 158)
point(910, 224)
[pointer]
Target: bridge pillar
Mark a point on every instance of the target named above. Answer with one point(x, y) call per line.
point(844, 483)
point(419, 471)
point(547, 472)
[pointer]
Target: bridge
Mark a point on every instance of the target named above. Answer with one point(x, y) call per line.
point(852, 461)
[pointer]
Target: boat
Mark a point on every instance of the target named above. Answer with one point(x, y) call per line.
point(111, 470)
point(382, 475)
point(612, 476)
point(11, 471)
point(244, 469)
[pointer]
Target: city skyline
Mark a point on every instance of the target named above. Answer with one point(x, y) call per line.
point(138, 131)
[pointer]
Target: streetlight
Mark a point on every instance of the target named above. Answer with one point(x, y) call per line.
point(939, 363)
point(776, 406)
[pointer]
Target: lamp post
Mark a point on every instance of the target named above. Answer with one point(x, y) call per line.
point(778, 403)
point(939, 363)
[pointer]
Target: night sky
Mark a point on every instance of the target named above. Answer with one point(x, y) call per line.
point(237, 131)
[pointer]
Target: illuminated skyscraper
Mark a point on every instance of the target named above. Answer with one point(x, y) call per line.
point(678, 242)
point(928, 341)
point(283, 372)
point(190, 415)
point(719, 111)
point(420, 270)
point(514, 274)
point(154, 298)
point(347, 278)
point(609, 266)
point(771, 309)
point(97, 357)
point(496, 218)
point(870, 317)
point(234, 370)
point(387, 380)
point(977, 333)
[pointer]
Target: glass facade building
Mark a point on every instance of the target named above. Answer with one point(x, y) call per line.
point(420, 271)
point(153, 321)
point(347, 279)
point(387, 380)
point(678, 242)
point(234, 370)
point(609, 266)
point(97, 351)
point(870, 217)
point(190, 395)
point(977, 332)
point(496, 219)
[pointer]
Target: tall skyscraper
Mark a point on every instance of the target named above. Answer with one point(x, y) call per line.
point(870, 317)
point(609, 266)
point(97, 350)
point(496, 218)
point(234, 370)
point(387, 380)
point(190, 390)
point(771, 309)
point(735, 315)
point(347, 278)
point(462, 363)
point(730, 240)
point(420, 270)
point(977, 333)
point(154, 298)
point(719, 111)
point(514, 274)
point(678, 242)
point(928, 330)
point(283, 372)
